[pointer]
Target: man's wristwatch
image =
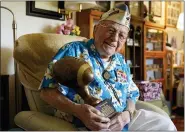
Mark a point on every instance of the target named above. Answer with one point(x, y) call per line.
point(131, 113)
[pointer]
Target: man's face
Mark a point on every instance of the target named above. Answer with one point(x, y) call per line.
point(109, 37)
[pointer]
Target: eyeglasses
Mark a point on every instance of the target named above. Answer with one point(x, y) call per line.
point(112, 31)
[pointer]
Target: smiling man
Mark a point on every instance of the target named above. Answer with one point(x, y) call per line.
point(112, 80)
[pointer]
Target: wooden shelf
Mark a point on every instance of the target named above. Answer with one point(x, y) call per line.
point(178, 66)
point(153, 41)
point(158, 80)
point(154, 25)
point(133, 45)
point(159, 69)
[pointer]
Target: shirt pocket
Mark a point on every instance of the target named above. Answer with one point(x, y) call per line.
point(122, 77)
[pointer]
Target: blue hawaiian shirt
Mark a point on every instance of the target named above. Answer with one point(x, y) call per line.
point(116, 74)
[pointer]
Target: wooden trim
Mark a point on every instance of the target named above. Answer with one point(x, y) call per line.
point(154, 53)
point(155, 25)
point(91, 28)
point(142, 50)
point(171, 79)
point(96, 13)
point(158, 80)
point(164, 75)
point(164, 42)
point(92, 18)
point(154, 56)
point(144, 56)
point(144, 67)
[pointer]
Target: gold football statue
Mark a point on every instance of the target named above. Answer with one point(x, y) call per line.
point(77, 74)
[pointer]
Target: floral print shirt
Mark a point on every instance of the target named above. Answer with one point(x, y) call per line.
point(116, 74)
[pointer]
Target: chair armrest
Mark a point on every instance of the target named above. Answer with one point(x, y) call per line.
point(151, 107)
point(36, 121)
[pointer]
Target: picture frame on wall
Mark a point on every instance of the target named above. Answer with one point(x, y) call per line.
point(172, 11)
point(136, 8)
point(155, 7)
point(45, 9)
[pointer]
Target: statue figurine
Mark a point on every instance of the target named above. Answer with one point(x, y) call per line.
point(75, 73)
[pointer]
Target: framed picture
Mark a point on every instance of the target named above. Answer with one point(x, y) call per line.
point(136, 8)
point(155, 7)
point(45, 9)
point(172, 11)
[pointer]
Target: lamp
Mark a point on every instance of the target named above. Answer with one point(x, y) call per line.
point(72, 6)
point(14, 25)
point(180, 22)
point(17, 84)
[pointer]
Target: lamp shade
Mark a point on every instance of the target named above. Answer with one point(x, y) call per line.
point(78, 6)
point(180, 22)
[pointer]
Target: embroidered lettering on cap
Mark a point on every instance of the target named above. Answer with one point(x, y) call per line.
point(128, 18)
point(114, 12)
point(119, 15)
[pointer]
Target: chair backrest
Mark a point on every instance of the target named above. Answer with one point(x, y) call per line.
point(32, 53)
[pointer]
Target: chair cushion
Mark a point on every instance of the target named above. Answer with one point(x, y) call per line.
point(33, 52)
point(36, 121)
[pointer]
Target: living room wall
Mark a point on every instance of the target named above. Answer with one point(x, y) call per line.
point(25, 25)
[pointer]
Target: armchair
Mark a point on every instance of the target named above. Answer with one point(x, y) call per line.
point(32, 53)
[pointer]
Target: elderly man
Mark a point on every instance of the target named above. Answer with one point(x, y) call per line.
point(112, 80)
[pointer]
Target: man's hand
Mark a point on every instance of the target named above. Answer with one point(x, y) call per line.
point(119, 121)
point(91, 117)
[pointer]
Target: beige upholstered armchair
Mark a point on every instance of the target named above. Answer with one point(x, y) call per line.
point(33, 52)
